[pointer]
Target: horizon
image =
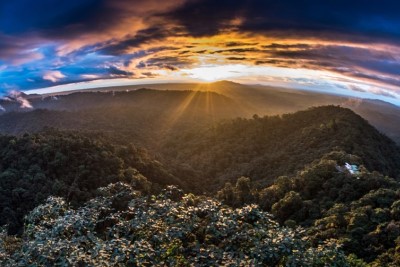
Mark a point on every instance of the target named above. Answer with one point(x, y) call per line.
point(347, 49)
point(103, 85)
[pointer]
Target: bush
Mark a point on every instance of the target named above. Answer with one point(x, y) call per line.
point(162, 230)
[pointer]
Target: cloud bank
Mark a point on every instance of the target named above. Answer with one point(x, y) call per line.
point(354, 44)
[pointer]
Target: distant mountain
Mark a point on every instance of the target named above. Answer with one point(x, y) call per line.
point(249, 100)
point(141, 114)
point(384, 116)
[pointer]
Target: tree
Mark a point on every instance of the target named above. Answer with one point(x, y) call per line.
point(287, 206)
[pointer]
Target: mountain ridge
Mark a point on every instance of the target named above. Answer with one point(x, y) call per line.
point(267, 100)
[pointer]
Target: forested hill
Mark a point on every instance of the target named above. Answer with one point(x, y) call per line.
point(292, 165)
point(70, 165)
point(199, 147)
point(141, 116)
point(248, 100)
point(265, 148)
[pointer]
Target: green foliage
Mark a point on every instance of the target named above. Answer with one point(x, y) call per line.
point(295, 163)
point(265, 148)
point(361, 212)
point(159, 231)
point(288, 205)
point(70, 165)
point(236, 196)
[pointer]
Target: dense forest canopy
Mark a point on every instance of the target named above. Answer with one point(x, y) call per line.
point(170, 229)
point(267, 147)
point(288, 171)
point(69, 165)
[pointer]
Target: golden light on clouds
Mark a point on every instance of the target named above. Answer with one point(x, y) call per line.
point(201, 40)
point(215, 73)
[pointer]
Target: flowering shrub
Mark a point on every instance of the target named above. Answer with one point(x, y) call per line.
point(122, 228)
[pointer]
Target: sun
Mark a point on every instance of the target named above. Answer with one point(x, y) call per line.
point(214, 73)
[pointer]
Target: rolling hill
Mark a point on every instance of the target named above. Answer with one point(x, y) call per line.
point(264, 148)
point(242, 100)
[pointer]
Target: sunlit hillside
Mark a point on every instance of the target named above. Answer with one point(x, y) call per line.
point(213, 100)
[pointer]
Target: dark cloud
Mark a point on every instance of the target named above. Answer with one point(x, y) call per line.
point(206, 17)
point(233, 44)
point(373, 77)
point(169, 67)
point(286, 46)
point(64, 19)
point(141, 65)
point(336, 19)
point(200, 51)
point(353, 61)
point(331, 18)
point(384, 93)
point(184, 52)
point(48, 17)
point(356, 88)
point(277, 62)
point(236, 50)
point(149, 75)
point(166, 62)
point(17, 50)
point(142, 37)
point(10, 46)
point(267, 62)
point(70, 19)
point(115, 71)
point(237, 58)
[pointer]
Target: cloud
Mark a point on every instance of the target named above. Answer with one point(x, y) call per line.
point(17, 96)
point(356, 88)
point(53, 76)
point(382, 92)
point(118, 73)
point(18, 50)
point(286, 46)
point(323, 19)
point(149, 74)
point(236, 50)
point(168, 62)
point(236, 43)
point(90, 76)
point(140, 38)
point(236, 58)
point(207, 17)
point(80, 22)
point(24, 58)
point(89, 39)
point(373, 63)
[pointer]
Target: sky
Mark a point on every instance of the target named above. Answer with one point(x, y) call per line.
point(344, 47)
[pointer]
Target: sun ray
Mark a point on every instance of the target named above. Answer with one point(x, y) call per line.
point(179, 111)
